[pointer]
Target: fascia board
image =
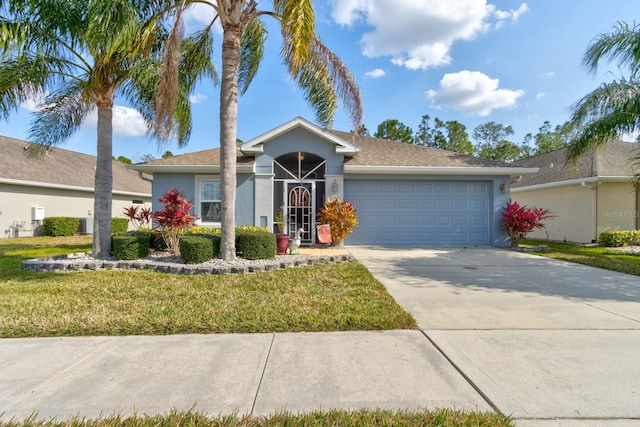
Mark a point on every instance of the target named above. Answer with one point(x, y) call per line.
point(66, 187)
point(570, 182)
point(429, 170)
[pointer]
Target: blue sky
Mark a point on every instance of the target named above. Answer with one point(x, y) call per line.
point(474, 61)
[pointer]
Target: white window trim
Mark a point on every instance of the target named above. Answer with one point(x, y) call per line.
point(199, 179)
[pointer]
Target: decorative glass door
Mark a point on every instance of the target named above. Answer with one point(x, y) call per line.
point(300, 210)
point(299, 188)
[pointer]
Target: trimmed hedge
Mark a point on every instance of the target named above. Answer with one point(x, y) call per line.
point(616, 239)
point(195, 249)
point(256, 245)
point(210, 230)
point(60, 226)
point(119, 225)
point(130, 246)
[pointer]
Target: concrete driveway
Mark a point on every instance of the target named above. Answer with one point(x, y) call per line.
point(545, 341)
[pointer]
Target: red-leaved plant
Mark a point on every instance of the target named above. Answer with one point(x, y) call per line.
point(518, 221)
point(341, 217)
point(174, 219)
point(139, 217)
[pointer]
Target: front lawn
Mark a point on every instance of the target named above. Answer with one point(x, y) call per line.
point(111, 302)
point(590, 255)
point(335, 417)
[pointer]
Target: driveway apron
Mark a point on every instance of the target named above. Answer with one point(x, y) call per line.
point(545, 341)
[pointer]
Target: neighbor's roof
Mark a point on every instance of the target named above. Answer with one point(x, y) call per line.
point(372, 155)
point(62, 169)
point(613, 160)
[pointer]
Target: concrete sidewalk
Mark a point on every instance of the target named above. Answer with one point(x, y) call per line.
point(222, 374)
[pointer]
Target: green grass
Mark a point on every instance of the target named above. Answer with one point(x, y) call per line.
point(594, 256)
point(371, 418)
point(111, 302)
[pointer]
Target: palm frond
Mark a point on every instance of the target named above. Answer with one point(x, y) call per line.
point(251, 53)
point(604, 114)
point(297, 24)
point(61, 117)
point(621, 45)
point(167, 89)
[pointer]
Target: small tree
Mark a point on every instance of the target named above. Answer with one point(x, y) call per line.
point(139, 217)
point(174, 219)
point(341, 217)
point(518, 221)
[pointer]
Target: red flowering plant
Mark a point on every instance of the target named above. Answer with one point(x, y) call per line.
point(174, 219)
point(139, 217)
point(341, 217)
point(518, 221)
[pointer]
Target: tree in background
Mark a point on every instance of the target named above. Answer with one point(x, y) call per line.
point(123, 159)
point(492, 143)
point(167, 154)
point(319, 72)
point(394, 130)
point(80, 54)
point(613, 108)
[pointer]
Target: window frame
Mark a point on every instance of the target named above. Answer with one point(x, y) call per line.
point(198, 199)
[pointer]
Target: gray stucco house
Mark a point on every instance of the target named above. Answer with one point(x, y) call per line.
point(405, 195)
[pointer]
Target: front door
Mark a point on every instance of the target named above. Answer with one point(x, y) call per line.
point(299, 189)
point(300, 208)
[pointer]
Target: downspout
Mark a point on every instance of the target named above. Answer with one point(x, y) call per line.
point(141, 176)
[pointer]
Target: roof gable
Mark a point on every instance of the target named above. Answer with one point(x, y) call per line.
point(342, 146)
point(613, 160)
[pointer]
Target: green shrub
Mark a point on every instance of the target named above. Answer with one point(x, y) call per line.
point(256, 244)
point(195, 249)
point(60, 226)
point(239, 229)
point(616, 239)
point(130, 245)
point(119, 225)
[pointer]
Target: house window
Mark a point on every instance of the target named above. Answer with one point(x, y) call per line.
point(210, 204)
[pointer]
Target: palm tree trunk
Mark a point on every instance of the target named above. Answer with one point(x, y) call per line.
point(103, 185)
point(228, 132)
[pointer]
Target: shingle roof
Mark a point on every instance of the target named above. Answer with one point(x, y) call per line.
point(62, 167)
point(382, 152)
point(373, 152)
point(614, 159)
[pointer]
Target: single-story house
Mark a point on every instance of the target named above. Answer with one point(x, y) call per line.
point(59, 183)
point(405, 195)
point(595, 194)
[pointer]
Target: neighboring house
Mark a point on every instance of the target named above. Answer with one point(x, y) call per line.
point(591, 196)
point(405, 195)
point(59, 183)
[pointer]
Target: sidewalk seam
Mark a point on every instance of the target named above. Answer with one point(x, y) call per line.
point(465, 376)
point(264, 369)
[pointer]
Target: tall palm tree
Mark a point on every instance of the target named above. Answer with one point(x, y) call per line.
point(320, 74)
point(613, 108)
point(80, 54)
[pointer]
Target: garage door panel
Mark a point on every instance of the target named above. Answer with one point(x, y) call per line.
point(420, 213)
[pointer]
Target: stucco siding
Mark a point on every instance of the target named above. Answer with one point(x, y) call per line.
point(163, 182)
point(574, 210)
point(616, 206)
point(245, 205)
point(16, 202)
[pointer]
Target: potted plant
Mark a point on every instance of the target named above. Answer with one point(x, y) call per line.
point(282, 238)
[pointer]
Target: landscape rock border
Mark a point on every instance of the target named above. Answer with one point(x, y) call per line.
point(82, 262)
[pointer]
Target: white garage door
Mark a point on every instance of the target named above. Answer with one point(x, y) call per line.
point(420, 213)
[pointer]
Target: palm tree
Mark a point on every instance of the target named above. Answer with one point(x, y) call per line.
point(613, 108)
point(79, 54)
point(320, 74)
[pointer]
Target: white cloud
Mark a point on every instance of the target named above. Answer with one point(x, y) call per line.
point(202, 14)
point(126, 121)
point(35, 103)
point(197, 98)
point(472, 92)
point(550, 74)
point(378, 72)
point(514, 15)
point(418, 34)
point(540, 95)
